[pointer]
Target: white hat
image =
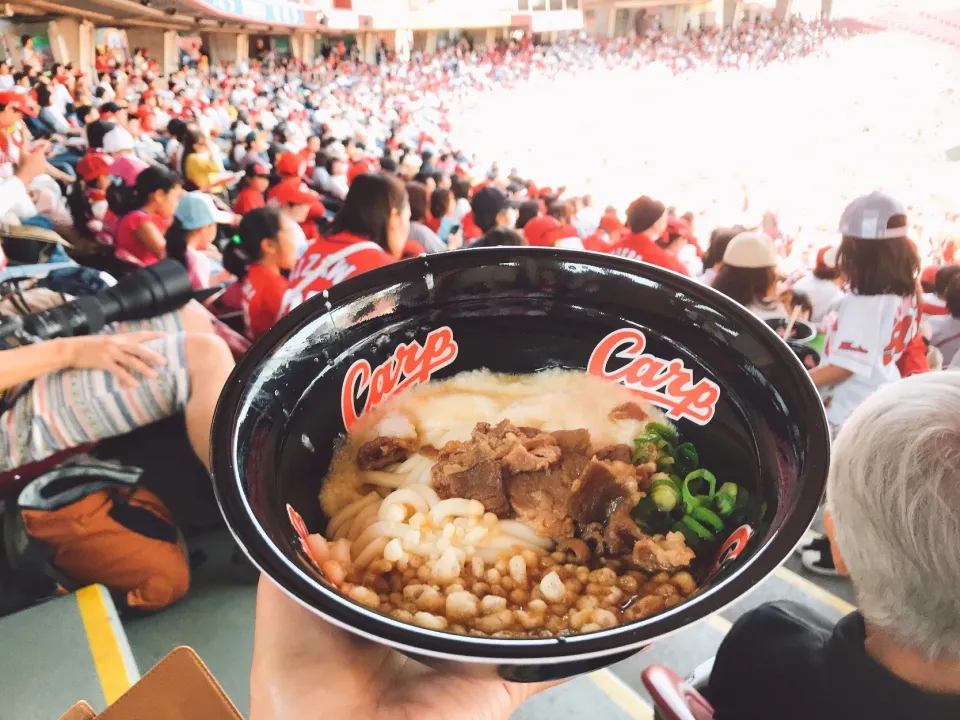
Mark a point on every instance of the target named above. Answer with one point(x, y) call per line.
point(117, 140)
point(750, 250)
point(868, 216)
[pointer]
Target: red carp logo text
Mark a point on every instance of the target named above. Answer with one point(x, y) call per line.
point(668, 384)
point(409, 365)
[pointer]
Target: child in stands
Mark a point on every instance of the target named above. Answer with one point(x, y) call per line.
point(264, 247)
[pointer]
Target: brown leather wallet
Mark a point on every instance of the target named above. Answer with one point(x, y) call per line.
point(179, 687)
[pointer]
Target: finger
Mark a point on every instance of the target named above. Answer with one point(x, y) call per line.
point(147, 355)
point(123, 377)
point(134, 364)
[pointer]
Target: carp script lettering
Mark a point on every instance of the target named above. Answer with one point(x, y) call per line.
point(409, 365)
point(668, 384)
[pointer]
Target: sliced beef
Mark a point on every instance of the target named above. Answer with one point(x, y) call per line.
point(542, 499)
point(595, 494)
point(592, 535)
point(629, 411)
point(621, 532)
point(520, 459)
point(621, 453)
point(661, 553)
point(575, 441)
point(383, 452)
point(481, 481)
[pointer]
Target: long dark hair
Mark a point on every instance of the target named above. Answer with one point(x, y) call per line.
point(417, 197)
point(192, 138)
point(80, 209)
point(440, 202)
point(366, 209)
point(176, 237)
point(748, 286)
point(245, 250)
point(880, 267)
point(124, 199)
point(719, 239)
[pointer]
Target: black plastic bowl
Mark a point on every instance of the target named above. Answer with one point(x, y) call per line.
point(802, 332)
point(735, 388)
point(806, 354)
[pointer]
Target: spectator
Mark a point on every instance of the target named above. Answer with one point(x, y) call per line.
point(935, 302)
point(713, 257)
point(255, 183)
point(461, 191)
point(371, 230)
point(822, 286)
point(153, 202)
point(88, 199)
point(201, 166)
point(443, 207)
point(177, 132)
point(419, 232)
point(50, 115)
point(491, 208)
point(264, 248)
point(295, 200)
point(892, 492)
point(500, 237)
point(647, 220)
point(588, 217)
point(190, 237)
point(945, 329)
point(120, 145)
point(749, 275)
point(878, 317)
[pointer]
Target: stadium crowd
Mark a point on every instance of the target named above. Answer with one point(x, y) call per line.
point(278, 181)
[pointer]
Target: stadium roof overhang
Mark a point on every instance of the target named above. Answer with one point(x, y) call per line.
point(194, 15)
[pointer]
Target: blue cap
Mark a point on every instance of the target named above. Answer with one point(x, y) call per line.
point(196, 210)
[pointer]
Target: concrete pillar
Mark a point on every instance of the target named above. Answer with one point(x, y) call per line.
point(826, 9)
point(72, 40)
point(612, 21)
point(430, 46)
point(368, 47)
point(309, 48)
point(677, 23)
point(243, 48)
point(225, 47)
point(783, 10)
point(732, 13)
point(170, 61)
point(491, 37)
point(296, 46)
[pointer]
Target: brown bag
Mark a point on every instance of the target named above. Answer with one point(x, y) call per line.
point(87, 522)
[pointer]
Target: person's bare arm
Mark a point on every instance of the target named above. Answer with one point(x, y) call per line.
point(151, 238)
point(32, 361)
point(123, 355)
point(829, 375)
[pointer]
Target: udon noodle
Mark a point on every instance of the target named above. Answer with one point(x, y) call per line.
point(500, 505)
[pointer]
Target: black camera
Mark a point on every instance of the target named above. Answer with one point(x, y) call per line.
point(148, 292)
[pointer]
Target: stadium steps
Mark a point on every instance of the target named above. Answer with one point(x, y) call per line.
point(941, 27)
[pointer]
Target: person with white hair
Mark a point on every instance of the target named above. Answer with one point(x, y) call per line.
point(894, 495)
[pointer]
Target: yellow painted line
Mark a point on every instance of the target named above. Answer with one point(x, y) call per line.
point(814, 590)
point(624, 696)
point(104, 645)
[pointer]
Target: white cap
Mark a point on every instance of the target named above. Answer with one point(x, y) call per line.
point(117, 140)
point(750, 250)
point(868, 216)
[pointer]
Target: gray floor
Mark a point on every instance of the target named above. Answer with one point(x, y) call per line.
point(216, 619)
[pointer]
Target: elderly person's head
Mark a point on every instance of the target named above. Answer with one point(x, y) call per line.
point(894, 491)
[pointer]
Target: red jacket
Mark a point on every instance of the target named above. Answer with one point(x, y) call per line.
point(638, 246)
point(329, 261)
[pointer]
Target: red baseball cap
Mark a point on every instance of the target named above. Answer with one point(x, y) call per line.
point(94, 165)
point(18, 101)
point(293, 192)
point(291, 165)
point(827, 258)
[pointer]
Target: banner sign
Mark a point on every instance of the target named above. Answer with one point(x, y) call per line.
point(261, 11)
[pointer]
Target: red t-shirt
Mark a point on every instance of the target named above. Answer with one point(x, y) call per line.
point(471, 231)
point(263, 292)
point(359, 168)
point(127, 246)
point(638, 246)
point(598, 242)
point(329, 261)
point(551, 236)
point(248, 199)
